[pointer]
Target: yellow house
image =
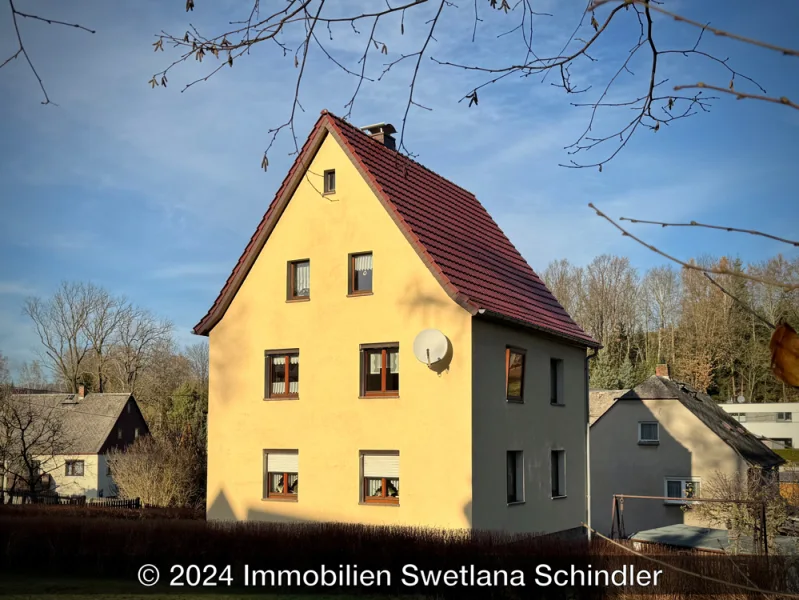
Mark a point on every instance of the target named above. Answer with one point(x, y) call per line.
point(382, 341)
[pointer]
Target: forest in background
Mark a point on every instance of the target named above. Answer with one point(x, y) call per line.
point(677, 316)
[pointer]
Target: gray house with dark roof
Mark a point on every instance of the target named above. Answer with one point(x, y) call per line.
point(88, 425)
point(664, 438)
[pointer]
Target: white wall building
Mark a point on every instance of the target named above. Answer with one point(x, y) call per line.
point(776, 421)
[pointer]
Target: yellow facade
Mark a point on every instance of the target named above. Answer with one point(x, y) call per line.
point(430, 423)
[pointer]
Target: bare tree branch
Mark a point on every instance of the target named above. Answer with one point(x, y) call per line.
point(719, 227)
point(715, 270)
point(739, 95)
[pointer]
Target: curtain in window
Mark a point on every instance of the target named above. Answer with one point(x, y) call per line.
point(363, 262)
point(674, 489)
point(302, 279)
point(375, 363)
point(393, 361)
point(649, 431)
point(294, 375)
point(278, 362)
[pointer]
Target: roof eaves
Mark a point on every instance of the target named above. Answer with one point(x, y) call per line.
point(578, 341)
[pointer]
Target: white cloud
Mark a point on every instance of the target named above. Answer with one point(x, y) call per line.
point(16, 288)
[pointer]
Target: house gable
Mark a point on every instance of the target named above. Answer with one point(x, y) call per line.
point(129, 419)
point(449, 229)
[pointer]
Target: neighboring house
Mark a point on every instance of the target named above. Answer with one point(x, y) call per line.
point(601, 401)
point(87, 426)
point(663, 438)
point(313, 374)
point(773, 421)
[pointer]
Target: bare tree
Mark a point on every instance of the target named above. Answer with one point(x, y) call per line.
point(198, 360)
point(171, 483)
point(62, 324)
point(302, 31)
point(139, 335)
point(102, 328)
point(5, 374)
point(661, 287)
point(31, 439)
point(31, 376)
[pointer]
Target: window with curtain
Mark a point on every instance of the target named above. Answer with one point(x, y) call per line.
point(282, 374)
point(281, 474)
point(380, 370)
point(299, 280)
point(380, 477)
point(330, 181)
point(360, 273)
point(74, 468)
point(514, 374)
point(681, 489)
point(648, 432)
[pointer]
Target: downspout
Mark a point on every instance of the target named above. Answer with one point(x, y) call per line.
point(588, 357)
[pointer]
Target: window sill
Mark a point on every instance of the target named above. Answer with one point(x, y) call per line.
point(558, 497)
point(291, 300)
point(357, 294)
point(514, 400)
point(557, 404)
point(518, 503)
point(378, 396)
point(645, 443)
point(391, 504)
point(329, 193)
point(279, 499)
point(281, 398)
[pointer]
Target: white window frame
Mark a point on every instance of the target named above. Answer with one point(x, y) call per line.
point(648, 442)
point(783, 419)
point(683, 481)
point(562, 476)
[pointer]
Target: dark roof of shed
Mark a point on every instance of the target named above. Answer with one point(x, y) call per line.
point(707, 410)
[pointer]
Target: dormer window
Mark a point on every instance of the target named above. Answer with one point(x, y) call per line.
point(330, 181)
point(299, 280)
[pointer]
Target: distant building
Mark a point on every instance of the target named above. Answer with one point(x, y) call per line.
point(600, 401)
point(665, 439)
point(776, 422)
point(88, 426)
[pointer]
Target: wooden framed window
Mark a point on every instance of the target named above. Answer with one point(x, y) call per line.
point(556, 396)
point(380, 369)
point(330, 181)
point(515, 476)
point(380, 477)
point(298, 280)
point(74, 468)
point(361, 270)
point(282, 374)
point(514, 374)
point(281, 475)
point(557, 460)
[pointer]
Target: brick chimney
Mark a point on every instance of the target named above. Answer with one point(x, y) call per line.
point(663, 370)
point(382, 132)
point(81, 391)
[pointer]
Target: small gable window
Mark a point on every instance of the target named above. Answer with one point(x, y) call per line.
point(648, 433)
point(299, 280)
point(360, 273)
point(330, 181)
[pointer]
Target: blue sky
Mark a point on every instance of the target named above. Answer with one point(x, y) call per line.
point(153, 194)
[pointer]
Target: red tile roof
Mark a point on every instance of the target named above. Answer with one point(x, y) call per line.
point(455, 236)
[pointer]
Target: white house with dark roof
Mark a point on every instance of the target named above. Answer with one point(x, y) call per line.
point(665, 439)
point(89, 425)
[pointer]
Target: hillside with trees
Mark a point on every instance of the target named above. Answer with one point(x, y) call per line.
point(680, 317)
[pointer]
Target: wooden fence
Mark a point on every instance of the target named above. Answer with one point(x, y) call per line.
point(26, 497)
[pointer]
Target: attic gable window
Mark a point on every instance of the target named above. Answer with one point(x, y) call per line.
point(330, 181)
point(360, 274)
point(299, 280)
point(648, 433)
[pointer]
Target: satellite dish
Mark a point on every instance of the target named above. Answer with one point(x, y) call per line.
point(740, 399)
point(430, 346)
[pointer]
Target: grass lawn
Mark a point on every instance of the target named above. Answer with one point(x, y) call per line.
point(68, 589)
